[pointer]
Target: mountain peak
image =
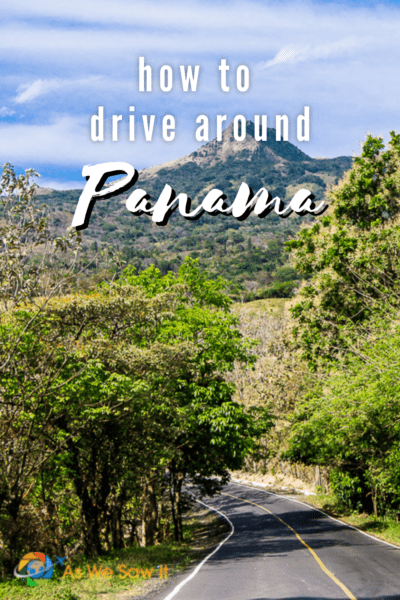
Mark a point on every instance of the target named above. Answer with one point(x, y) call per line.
point(228, 148)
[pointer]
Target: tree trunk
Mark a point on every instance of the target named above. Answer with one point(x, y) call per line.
point(92, 541)
point(317, 476)
point(176, 504)
point(149, 514)
point(374, 501)
point(13, 534)
point(117, 536)
point(163, 521)
point(89, 512)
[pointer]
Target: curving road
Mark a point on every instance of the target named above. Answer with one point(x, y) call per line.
point(282, 549)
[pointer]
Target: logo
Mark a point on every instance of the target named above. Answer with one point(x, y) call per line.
point(34, 566)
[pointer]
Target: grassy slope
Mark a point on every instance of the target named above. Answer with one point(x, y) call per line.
point(384, 528)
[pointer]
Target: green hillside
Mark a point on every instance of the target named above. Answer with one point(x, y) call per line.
point(249, 253)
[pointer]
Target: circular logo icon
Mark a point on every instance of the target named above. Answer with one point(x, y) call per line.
point(34, 565)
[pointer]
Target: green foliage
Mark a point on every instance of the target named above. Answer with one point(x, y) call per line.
point(348, 489)
point(351, 256)
point(350, 421)
point(245, 251)
point(345, 323)
point(280, 289)
point(370, 194)
point(109, 400)
point(218, 433)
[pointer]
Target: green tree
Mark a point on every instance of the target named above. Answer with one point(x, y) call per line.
point(350, 422)
point(93, 413)
point(29, 256)
point(210, 432)
point(345, 324)
point(351, 256)
point(132, 384)
point(102, 393)
point(35, 364)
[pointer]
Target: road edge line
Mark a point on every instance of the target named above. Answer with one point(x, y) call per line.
point(197, 569)
point(315, 556)
point(372, 537)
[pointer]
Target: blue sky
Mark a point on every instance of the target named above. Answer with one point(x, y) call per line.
point(60, 61)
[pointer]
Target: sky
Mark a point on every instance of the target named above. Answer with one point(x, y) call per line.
point(61, 61)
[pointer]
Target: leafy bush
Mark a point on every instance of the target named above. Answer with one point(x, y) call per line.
point(348, 489)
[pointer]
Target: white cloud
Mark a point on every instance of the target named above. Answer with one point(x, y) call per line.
point(111, 36)
point(55, 184)
point(295, 54)
point(118, 46)
point(39, 87)
point(351, 83)
point(206, 15)
point(66, 141)
point(153, 13)
point(34, 144)
point(6, 112)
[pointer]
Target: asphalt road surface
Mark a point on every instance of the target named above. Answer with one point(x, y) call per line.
point(284, 549)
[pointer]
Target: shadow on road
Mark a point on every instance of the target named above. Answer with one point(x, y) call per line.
point(263, 534)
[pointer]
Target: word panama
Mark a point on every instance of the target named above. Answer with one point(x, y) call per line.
point(138, 202)
point(107, 573)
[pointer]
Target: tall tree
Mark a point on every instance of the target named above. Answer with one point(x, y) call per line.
point(345, 324)
point(350, 423)
point(350, 256)
point(210, 432)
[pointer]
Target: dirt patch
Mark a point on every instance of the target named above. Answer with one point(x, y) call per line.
point(275, 483)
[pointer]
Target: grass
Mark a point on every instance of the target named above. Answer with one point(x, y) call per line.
point(384, 528)
point(273, 306)
point(201, 530)
point(74, 581)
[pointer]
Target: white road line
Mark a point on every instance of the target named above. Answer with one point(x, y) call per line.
point(254, 487)
point(197, 569)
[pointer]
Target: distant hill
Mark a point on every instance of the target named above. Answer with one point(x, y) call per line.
point(249, 253)
point(279, 166)
point(214, 152)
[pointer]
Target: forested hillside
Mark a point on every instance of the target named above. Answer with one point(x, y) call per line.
point(250, 253)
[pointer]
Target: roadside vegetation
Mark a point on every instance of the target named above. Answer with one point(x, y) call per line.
point(132, 571)
point(345, 329)
point(386, 527)
point(327, 363)
point(112, 397)
point(121, 381)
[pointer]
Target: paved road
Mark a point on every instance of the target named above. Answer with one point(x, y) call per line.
point(281, 549)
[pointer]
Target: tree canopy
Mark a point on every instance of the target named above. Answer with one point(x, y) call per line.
point(350, 256)
point(346, 326)
point(110, 398)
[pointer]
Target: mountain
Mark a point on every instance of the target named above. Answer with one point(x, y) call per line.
point(214, 152)
point(279, 166)
point(249, 253)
